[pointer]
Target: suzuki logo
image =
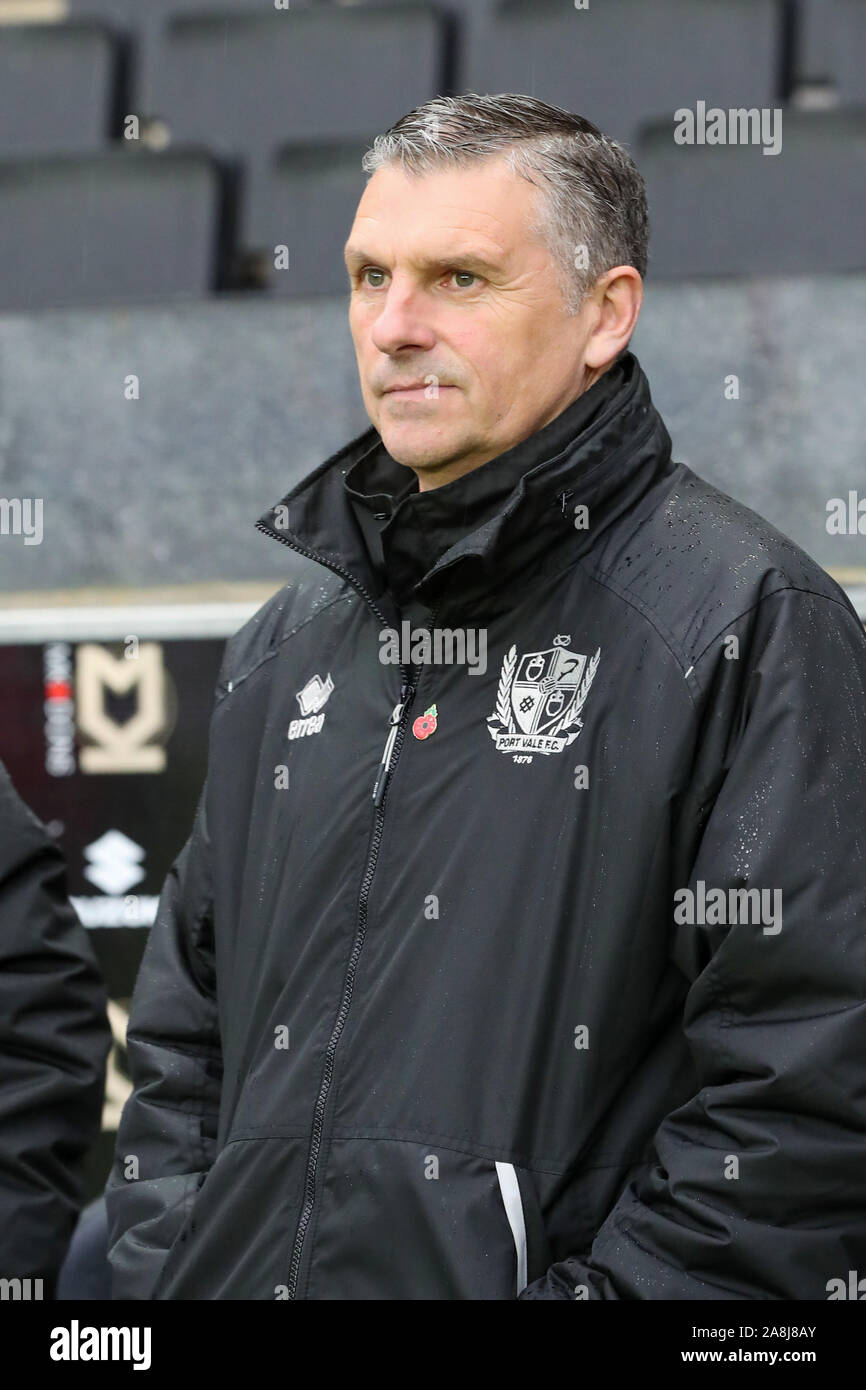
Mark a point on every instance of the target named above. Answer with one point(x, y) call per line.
point(114, 862)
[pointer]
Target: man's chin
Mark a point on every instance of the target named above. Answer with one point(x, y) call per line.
point(419, 448)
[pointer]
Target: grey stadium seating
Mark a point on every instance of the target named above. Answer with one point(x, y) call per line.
point(830, 46)
point(143, 22)
point(848, 54)
point(248, 85)
point(660, 56)
point(57, 87)
point(314, 194)
point(730, 209)
point(123, 226)
point(813, 40)
point(287, 101)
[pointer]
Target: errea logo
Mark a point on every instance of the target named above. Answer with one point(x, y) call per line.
point(311, 699)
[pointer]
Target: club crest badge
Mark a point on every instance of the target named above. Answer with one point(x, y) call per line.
point(540, 698)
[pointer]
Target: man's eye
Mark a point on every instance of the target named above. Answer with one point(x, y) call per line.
point(466, 277)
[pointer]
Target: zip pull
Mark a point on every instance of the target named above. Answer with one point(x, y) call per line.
point(382, 775)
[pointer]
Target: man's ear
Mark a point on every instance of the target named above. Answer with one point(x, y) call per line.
point(617, 296)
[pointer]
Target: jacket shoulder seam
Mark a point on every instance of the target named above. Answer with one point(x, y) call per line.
point(229, 683)
point(649, 617)
point(782, 589)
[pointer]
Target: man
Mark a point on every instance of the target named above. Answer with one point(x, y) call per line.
point(452, 993)
point(54, 1040)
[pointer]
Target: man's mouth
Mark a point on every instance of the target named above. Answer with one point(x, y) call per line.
point(419, 389)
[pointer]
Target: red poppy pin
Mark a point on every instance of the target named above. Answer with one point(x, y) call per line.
point(425, 724)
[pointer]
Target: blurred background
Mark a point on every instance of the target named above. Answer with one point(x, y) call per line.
point(177, 180)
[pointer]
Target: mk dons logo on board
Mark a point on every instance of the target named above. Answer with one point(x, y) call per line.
point(130, 745)
point(540, 697)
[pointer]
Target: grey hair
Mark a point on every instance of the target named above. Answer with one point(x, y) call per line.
point(593, 211)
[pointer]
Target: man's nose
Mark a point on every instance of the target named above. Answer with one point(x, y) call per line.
point(402, 321)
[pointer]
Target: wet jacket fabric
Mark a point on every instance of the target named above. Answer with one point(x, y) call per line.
point(454, 991)
point(54, 1041)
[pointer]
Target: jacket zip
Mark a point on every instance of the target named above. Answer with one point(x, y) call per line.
point(393, 745)
point(385, 764)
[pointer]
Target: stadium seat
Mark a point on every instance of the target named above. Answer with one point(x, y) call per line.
point(57, 85)
point(731, 210)
point(247, 85)
point(314, 195)
point(830, 46)
point(124, 226)
point(849, 50)
point(622, 63)
point(813, 45)
point(143, 23)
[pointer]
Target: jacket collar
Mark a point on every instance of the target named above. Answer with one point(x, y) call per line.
point(513, 514)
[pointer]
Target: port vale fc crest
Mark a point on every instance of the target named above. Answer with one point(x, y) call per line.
point(540, 697)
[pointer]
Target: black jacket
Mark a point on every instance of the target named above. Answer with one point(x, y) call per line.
point(54, 1040)
point(467, 1039)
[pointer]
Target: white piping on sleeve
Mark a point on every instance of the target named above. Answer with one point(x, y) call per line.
point(510, 1190)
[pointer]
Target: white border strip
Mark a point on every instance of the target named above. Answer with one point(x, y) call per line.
point(112, 623)
point(163, 621)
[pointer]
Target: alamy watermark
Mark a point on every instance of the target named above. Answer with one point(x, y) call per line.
point(22, 516)
point(854, 1288)
point(846, 517)
point(438, 646)
point(738, 126)
point(21, 1290)
point(731, 906)
point(77, 1343)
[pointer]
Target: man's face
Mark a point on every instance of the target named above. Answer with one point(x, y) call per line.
point(448, 290)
